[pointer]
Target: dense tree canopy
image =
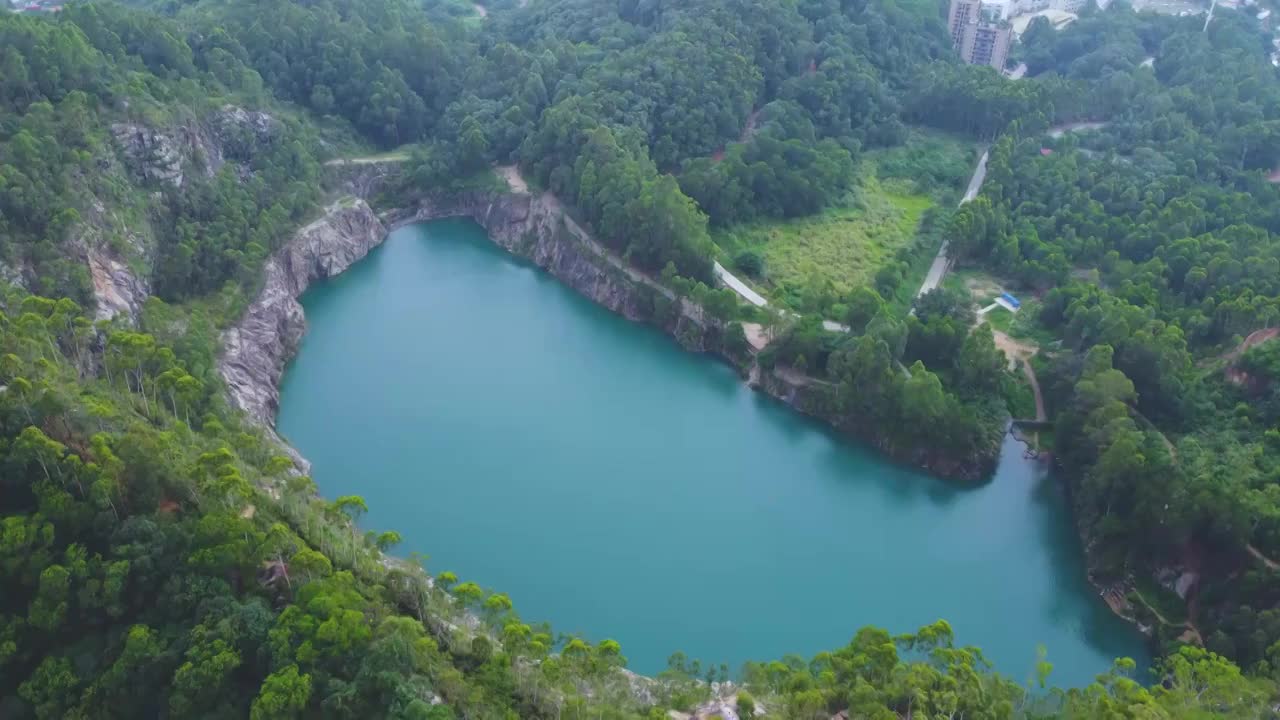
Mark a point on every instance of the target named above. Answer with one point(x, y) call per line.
point(152, 539)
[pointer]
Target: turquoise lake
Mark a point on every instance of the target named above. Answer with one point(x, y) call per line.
point(617, 486)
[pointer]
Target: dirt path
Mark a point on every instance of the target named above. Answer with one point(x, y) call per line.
point(1013, 349)
point(1255, 338)
point(514, 179)
point(749, 130)
point(797, 377)
point(1149, 426)
point(1190, 634)
point(1021, 353)
point(391, 157)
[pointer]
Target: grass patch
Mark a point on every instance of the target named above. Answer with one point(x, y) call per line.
point(1000, 319)
point(930, 163)
point(1025, 326)
point(1018, 395)
point(487, 180)
point(1045, 439)
point(897, 214)
point(842, 247)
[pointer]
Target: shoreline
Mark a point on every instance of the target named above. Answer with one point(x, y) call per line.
point(257, 349)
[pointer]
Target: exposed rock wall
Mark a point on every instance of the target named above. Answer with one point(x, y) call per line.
point(172, 155)
point(259, 347)
point(538, 229)
point(150, 157)
point(534, 227)
point(256, 350)
point(117, 290)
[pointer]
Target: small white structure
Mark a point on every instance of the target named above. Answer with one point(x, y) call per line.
point(1009, 302)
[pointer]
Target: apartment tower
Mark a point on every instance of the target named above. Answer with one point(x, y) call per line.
point(979, 32)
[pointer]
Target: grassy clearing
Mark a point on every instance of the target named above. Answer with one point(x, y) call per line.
point(984, 288)
point(928, 163)
point(878, 223)
point(1000, 319)
point(842, 247)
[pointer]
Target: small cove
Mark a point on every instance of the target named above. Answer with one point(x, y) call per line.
point(618, 486)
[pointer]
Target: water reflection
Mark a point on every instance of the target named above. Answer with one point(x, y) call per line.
point(617, 485)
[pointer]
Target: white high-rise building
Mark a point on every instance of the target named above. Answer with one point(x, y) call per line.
point(980, 31)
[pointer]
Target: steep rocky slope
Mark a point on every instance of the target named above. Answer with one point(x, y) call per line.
point(257, 349)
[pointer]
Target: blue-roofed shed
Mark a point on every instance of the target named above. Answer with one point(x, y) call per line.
point(1009, 302)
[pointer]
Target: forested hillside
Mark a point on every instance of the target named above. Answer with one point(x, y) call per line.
point(161, 555)
point(1151, 242)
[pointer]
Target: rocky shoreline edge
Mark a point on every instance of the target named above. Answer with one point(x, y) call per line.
point(257, 349)
point(535, 227)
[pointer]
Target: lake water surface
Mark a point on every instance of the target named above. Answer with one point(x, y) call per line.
point(617, 486)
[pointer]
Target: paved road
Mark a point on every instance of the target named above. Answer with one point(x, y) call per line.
point(738, 286)
point(936, 271)
point(941, 263)
point(753, 297)
point(975, 182)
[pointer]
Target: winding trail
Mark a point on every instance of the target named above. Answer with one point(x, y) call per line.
point(514, 179)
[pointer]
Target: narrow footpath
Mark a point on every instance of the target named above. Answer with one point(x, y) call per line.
point(391, 157)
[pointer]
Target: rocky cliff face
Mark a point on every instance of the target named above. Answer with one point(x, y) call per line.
point(534, 227)
point(173, 155)
point(257, 349)
point(115, 287)
point(154, 156)
point(538, 228)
